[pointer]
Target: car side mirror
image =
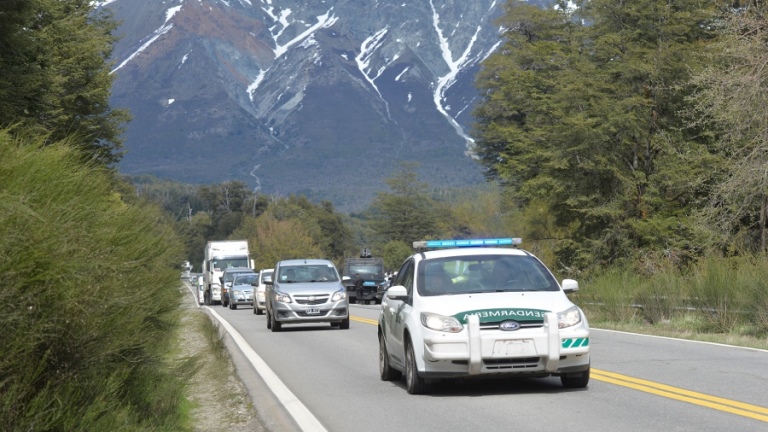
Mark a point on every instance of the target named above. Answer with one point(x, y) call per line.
point(346, 278)
point(267, 280)
point(397, 292)
point(570, 285)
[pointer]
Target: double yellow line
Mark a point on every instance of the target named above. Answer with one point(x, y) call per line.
point(663, 390)
point(701, 399)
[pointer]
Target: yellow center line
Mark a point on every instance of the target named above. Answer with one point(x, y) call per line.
point(721, 404)
point(701, 399)
point(364, 320)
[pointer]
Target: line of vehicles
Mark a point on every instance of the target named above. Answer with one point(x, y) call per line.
point(457, 309)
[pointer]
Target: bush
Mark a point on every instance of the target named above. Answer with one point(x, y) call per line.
point(89, 299)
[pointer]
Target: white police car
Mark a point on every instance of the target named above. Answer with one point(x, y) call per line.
point(474, 310)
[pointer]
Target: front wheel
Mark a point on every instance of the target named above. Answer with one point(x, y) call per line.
point(232, 306)
point(274, 324)
point(269, 320)
point(385, 370)
point(344, 325)
point(575, 381)
point(414, 384)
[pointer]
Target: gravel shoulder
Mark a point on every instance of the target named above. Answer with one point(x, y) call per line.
point(220, 401)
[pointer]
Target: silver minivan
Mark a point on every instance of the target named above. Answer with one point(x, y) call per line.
point(306, 291)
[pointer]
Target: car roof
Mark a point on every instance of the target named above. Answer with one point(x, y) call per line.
point(469, 251)
point(298, 262)
point(238, 270)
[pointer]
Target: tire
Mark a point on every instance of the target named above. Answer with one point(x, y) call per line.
point(344, 324)
point(386, 373)
point(575, 381)
point(274, 324)
point(414, 384)
point(269, 320)
point(232, 306)
point(258, 311)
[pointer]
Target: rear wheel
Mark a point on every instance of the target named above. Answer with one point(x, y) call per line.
point(385, 370)
point(414, 384)
point(575, 381)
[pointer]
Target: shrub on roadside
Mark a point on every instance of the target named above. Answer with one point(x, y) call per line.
point(89, 299)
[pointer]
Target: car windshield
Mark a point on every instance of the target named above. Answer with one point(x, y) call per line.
point(230, 276)
point(483, 274)
point(370, 269)
point(245, 279)
point(307, 273)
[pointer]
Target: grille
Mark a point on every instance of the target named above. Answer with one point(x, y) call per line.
point(511, 363)
point(311, 300)
point(523, 325)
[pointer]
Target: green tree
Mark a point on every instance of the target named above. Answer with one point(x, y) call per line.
point(271, 240)
point(227, 203)
point(586, 118)
point(730, 101)
point(54, 74)
point(407, 213)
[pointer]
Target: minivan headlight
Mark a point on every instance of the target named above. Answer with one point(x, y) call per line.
point(569, 318)
point(339, 295)
point(441, 323)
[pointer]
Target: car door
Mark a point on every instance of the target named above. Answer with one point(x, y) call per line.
point(396, 310)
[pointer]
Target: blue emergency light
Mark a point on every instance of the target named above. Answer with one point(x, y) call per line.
point(435, 244)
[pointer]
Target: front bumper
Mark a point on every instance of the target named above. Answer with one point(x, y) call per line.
point(245, 298)
point(261, 300)
point(536, 351)
point(297, 313)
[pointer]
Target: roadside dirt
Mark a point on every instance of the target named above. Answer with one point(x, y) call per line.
point(220, 400)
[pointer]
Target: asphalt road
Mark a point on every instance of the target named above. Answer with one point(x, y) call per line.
point(639, 383)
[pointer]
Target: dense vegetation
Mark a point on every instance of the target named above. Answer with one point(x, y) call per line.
point(625, 142)
point(89, 299)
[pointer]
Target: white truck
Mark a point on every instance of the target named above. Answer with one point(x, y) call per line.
point(220, 255)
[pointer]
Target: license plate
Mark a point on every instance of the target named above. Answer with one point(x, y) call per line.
point(523, 347)
point(312, 311)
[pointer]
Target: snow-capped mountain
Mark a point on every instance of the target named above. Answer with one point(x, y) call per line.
point(321, 97)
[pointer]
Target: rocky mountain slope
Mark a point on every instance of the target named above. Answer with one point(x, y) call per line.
point(322, 98)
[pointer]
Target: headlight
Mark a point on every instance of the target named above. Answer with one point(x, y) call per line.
point(339, 295)
point(282, 297)
point(441, 323)
point(569, 318)
point(236, 293)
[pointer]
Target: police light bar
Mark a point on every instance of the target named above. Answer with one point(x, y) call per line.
point(434, 244)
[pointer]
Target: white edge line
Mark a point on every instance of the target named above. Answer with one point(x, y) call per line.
point(683, 340)
point(306, 421)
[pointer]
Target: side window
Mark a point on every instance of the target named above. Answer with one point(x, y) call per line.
point(405, 277)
